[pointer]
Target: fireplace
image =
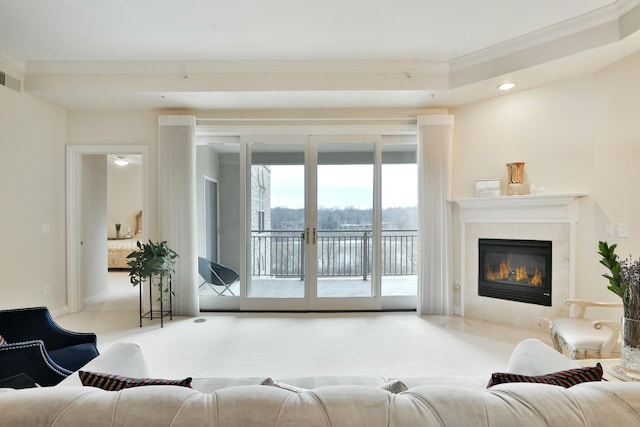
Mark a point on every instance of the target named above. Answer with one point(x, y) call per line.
point(515, 270)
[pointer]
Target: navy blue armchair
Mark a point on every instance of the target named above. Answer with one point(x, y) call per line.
point(39, 348)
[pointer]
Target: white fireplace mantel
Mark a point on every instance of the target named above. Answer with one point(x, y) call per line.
point(525, 209)
point(535, 208)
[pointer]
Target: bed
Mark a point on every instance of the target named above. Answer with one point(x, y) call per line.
point(118, 249)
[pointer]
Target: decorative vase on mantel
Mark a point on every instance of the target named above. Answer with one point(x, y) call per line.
point(515, 179)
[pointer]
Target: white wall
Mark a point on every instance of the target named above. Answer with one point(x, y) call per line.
point(32, 200)
point(122, 128)
point(124, 197)
point(577, 135)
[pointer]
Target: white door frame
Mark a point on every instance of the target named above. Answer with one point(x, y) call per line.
point(74, 216)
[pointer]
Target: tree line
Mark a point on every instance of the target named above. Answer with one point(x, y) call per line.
point(401, 218)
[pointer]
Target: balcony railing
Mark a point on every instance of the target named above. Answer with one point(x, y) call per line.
point(280, 253)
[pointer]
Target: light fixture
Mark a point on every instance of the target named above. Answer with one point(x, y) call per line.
point(506, 86)
point(120, 161)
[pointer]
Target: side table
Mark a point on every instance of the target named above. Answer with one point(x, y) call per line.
point(611, 369)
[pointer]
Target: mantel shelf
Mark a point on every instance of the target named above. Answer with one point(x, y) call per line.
point(533, 208)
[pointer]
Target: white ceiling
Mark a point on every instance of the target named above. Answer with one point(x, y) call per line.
point(240, 54)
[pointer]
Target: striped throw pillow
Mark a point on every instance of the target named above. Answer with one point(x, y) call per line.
point(112, 382)
point(564, 379)
point(3, 341)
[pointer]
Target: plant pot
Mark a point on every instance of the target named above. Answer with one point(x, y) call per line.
point(157, 265)
point(630, 351)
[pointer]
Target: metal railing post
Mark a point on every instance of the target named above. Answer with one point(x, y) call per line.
point(302, 256)
point(365, 255)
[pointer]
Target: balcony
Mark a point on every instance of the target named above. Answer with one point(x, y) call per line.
point(341, 253)
point(344, 264)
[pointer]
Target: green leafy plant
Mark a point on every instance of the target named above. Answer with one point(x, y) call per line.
point(610, 260)
point(624, 279)
point(152, 260)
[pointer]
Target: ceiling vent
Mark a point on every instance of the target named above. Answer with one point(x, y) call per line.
point(10, 82)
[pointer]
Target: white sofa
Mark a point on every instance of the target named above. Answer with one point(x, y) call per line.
point(328, 401)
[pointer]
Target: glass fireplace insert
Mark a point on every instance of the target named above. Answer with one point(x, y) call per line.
point(515, 270)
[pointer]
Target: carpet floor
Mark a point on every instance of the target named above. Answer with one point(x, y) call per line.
point(302, 344)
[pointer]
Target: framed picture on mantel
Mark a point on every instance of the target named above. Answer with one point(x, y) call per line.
point(487, 187)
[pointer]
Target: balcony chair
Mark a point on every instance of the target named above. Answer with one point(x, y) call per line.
point(585, 338)
point(216, 276)
point(36, 347)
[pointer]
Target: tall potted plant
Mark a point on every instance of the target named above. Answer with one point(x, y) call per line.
point(153, 262)
point(624, 281)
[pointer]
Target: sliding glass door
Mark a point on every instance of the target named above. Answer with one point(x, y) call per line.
point(325, 222)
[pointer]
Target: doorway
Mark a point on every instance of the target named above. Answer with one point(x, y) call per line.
point(80, 265)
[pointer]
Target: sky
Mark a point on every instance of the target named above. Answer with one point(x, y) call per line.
point(341, 186)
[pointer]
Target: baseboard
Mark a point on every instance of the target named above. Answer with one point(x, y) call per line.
point(60, 311)
point(95, 299)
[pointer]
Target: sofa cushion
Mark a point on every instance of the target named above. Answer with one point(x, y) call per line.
point(564, 379)
point(312, 382)
point(111, 382)
point(123, 358)
point(533, 357)
point(74, 357)
point(209, 385)
point(394, 386)
point(279, 384)
point(478, 382)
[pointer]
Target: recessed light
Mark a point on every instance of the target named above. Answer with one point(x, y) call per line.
point(121, 161)
point(507, 86)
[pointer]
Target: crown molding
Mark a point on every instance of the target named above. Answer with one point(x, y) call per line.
point(625, 6)
point(581, 23)
point(186, 68)
point(12, 61)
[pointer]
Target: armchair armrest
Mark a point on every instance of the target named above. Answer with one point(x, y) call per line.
point(608, 346)
point(36, 323)
point(124, 359)
point(583, 304)
point(30, 358)
point(533, 357)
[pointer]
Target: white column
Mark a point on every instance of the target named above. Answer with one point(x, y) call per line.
point(434, 220)
point(177, 205)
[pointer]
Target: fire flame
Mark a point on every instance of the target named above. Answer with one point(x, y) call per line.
point(520, 273)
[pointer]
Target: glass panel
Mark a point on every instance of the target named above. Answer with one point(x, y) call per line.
point(221, 212)
point(399, 263)
point(277, 221)
point(345, 218)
